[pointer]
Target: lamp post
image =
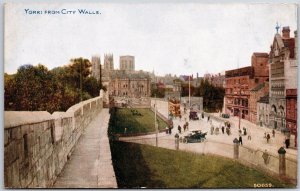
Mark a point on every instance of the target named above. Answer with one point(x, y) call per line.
point(81, 79)
point(189, 91)
point(155, 123)
point(240, 108)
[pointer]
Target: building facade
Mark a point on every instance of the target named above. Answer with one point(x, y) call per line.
point(263, 110)
point(135, 85)
point(127, 63)
point(255, 94)
point(239, 82)
point(283, 76)
point(291, 112)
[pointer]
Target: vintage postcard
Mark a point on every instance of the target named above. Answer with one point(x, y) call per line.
point(150, 95)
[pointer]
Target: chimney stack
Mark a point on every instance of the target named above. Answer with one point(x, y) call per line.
point(286, 32)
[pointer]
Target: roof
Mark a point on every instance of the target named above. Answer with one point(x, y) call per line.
point(290, 44)
point(258, 87)
point(245, 71)
point(124, 75)
point(261, 54)
point(264, 99)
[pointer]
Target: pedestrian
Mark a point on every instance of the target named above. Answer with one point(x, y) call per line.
point(179, 128)
point(222, 129)
point(249, 135)
point(240, 132)
point(170, 130)
point(180, 117)
point(167, 130)
point(212, 130)
point(287, 143)
point(268, 137)
point(240, 140)
point(202, 115)
point(273, 132)
point(245, 131)
point(208, 118)
point(187, 125)
point(229, 125)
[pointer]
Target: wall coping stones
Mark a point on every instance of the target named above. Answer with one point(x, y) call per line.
point(18, 118)
point(61, 114)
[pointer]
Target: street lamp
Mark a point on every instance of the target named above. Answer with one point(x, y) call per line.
point(81, 79)
point(155, 123)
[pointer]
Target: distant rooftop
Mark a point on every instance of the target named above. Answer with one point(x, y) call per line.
point(264, 99)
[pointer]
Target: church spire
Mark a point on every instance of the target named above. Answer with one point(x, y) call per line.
point(277, 27)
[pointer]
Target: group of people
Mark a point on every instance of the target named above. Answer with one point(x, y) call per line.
point(224, 128)
point(268, 137)
point(185, 127)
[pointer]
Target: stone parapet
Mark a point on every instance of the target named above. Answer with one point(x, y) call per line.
point(37, 144)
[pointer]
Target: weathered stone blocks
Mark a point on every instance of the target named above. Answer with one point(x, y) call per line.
point(36, 144)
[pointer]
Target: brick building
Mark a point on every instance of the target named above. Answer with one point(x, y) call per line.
point(240, 81)
point(291, 112)
point(283, 76)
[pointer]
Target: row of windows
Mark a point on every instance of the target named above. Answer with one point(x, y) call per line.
point(126, 85)
point(277, 93)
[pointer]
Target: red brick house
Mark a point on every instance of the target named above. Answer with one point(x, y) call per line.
point(291, 112)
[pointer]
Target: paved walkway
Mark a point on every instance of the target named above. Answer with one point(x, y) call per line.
point(90, 165)
point(258, 142)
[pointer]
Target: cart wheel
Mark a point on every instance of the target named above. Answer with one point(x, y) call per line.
point(185, 140)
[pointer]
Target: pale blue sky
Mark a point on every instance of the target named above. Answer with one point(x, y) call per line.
point(211, 37)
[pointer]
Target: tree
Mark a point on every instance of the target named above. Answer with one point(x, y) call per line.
point(32, 88)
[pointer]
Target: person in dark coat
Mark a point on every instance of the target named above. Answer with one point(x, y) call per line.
point(273, 132)
point(268, 137)
point(240, 140)
point(222, 129)
point(287, 143)
point(179, 128)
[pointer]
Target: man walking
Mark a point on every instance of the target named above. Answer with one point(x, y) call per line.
point(179, 128)
point(222, 129)
point(268, 137)
point(241, 140)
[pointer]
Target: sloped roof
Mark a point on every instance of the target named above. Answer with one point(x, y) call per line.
point(258, 87)
point(264, 99)
point(261, 54)
point(290, 44)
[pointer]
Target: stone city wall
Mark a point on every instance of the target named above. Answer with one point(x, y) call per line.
point(37, 144)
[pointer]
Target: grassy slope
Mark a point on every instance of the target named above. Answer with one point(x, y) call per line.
point(146, 166)
point(136, 124)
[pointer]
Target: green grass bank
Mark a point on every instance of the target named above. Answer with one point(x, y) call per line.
point(140, 121)
point(151, 167)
